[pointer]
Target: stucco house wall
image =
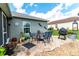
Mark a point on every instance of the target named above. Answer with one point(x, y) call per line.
point(16, 26)
point(14, 23)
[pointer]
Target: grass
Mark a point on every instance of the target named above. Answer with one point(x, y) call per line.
point(78, 34)
point(71, 32)
point(55, 33)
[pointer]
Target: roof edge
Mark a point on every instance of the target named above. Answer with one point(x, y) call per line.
point(70, 19)
point(20, 15)
point(6, 9)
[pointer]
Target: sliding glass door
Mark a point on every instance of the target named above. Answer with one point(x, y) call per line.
point(4, 28)
point(1, 38)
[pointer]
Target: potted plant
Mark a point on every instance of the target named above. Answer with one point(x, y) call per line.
point(14, 41)
point(22, 37)
point(2, 51)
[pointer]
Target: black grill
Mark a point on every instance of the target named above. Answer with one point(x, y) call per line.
point(62, 32)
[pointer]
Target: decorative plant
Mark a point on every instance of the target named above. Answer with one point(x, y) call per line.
point(70, 32)
point(51, 29)
point(2, 51)
point(27, 36)
point(9, 48)
point(22, 36)
point(14, 41)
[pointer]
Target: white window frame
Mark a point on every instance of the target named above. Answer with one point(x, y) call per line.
point(25, 22)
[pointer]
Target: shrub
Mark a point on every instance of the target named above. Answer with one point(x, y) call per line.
point(50, 29)
point(70, 32)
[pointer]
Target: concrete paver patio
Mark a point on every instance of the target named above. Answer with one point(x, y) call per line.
point(41, 47)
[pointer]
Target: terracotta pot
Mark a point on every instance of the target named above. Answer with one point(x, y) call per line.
point(22, 40)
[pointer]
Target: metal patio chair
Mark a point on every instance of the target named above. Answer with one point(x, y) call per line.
point(47, 36)
point(39, 37)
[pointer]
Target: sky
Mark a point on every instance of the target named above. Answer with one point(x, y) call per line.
point(49, 11)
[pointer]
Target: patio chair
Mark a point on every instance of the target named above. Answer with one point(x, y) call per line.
point(39, 37)
point(32, 36)
point(47, 36)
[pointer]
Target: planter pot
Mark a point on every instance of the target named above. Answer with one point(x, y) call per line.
point(22, 40)
point(9, 49)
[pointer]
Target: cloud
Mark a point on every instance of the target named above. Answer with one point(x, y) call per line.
point(50, 15)
point(21, 11)
point(73, 12)
point(40, 15)
point(31, 4)
point(41, 1)
point(18, 5)
point(56, 13)
point(67, 5)
point(59, 15)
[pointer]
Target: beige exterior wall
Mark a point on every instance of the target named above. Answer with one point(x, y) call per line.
point(65, 25)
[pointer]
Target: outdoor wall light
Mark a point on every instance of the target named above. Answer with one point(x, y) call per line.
point(16, 24)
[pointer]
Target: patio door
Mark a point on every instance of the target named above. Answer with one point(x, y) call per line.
point(4, 28)
point(1, 39)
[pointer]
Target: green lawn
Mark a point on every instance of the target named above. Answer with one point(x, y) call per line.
point(55, 33)
point(78, 34)
point(70, 31)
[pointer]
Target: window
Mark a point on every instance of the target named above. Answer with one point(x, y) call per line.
point(26, 28)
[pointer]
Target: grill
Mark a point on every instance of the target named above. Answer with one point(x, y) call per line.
point(62, 32)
